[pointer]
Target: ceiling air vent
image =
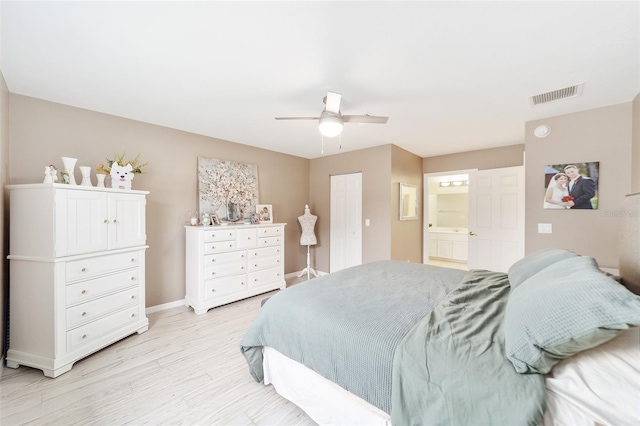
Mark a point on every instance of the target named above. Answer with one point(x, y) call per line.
point(557, 95)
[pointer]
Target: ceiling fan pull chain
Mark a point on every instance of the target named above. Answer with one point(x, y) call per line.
point(340, 141)
point(322, 147)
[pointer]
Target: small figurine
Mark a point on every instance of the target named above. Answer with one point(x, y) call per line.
point(47, 175)
point(121, 176)
point(53, 172)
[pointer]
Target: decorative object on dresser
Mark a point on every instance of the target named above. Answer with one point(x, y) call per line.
point(265, 213)
point(227, 188)
point(68, 175)
point(121, 171)
point(77, 261)
point(86, 175)
point(226, 264)
point(308, 238)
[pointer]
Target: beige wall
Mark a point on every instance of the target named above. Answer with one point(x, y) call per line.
point(41, 132)
point(484, 159)
point(406, 235)
point(604, 135)
point(375, 165)
point(635, 147)
point(4, 209)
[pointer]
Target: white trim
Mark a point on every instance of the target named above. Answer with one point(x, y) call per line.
point(175, 304)
point(164, 306)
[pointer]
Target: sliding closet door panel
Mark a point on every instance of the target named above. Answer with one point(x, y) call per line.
point(346, 221)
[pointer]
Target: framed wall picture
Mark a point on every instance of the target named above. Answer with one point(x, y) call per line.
point(265, 213)
point(571, 186)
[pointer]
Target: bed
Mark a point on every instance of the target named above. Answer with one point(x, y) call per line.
point(554, 341)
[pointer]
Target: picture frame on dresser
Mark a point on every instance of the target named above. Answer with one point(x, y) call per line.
point(265, 213)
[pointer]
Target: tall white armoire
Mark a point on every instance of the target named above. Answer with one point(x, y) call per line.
point(76, 272)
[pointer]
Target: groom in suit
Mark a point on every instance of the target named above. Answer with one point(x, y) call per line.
point(581, 188)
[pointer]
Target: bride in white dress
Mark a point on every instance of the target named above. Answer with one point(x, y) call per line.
point(556, 191)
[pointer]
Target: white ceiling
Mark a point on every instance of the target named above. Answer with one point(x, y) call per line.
point(451, 76)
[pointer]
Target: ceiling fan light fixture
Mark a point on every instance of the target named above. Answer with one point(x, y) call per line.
point(330, 125)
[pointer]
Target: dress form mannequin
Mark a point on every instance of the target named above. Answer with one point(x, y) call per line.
point(308, 238)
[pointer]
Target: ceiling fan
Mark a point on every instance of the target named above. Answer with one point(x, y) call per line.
point(331, 120)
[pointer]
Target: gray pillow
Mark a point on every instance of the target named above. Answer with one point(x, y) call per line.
point(532, 264)
point(566, 308)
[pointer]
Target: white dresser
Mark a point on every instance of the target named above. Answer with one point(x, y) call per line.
point(229, 263)
point(76, 272)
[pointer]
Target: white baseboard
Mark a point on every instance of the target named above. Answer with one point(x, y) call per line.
point(164, 306)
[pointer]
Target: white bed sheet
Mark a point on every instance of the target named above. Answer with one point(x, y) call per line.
point(600, 386)
point(324, 401)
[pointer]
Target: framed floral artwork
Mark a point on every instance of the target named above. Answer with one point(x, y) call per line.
point(265, 213)
point(227, 189)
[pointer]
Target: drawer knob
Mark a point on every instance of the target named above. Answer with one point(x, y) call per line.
point(84, 336)
point(255, 265)
point(213, 260)
point(213, 273)
point(242, 283)
point(248, 238)
point(242, 267)
point(106, 221)
point(242, 255)
point(132, 278)
point(255, 280)
point(133, 296)
point(84, 314)
point(230, 245)
point(84, 269)
point(213, 290)
point(230, 234)
point(133, 315)
point(133, 260)
point(213, 247)
point(114, 221)
point(278, 261)
point(83, 292)
point(255, 254)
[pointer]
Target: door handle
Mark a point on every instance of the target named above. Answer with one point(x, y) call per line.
point(473, 234)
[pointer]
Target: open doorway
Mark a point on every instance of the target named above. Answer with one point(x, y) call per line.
point(446, 219)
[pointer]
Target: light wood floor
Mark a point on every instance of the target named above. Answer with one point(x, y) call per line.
point(187, 369)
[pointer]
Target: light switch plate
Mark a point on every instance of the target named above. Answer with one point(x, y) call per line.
point(544, 228)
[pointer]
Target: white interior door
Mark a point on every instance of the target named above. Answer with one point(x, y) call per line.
point(345, 248)
point(496, 218)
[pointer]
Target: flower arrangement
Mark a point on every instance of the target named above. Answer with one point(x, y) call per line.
point(119, 159)
point(567, 198)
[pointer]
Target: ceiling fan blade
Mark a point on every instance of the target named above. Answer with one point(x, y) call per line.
point(333, 102)
point(297, 118)
point(368, 119)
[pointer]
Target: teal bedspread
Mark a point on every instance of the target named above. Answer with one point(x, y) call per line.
point(451, 368)
point(420, 342)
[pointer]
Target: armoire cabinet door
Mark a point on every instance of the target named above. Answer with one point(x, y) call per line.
point(126, 220)
point(81, 222)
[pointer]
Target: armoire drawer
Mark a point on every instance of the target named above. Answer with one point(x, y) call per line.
point(89, 332)
point(219, 235)
point(224, 286)
point(93, 266)
point(91, 289)
point(86, 312)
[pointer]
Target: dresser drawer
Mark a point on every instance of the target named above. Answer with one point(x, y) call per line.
point(221, 258)
point(269, 231)
point(224, 286)
point(88, 311)
point(264, 277)
point(219, 247)
point(94, 266)
point(269, 241)
point(264, 252)
point(225, 269)
point(87, 290)
point(87, 333)
point(219, 235)
point(247, 238)
point(264, 262)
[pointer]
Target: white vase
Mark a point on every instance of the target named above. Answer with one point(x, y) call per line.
point(69, 166)
point(86, 175)
point(100, 177)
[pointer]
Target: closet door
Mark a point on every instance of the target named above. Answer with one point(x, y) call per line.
point(346, 221)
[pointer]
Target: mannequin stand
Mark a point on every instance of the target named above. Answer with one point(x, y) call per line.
point(308, 269)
